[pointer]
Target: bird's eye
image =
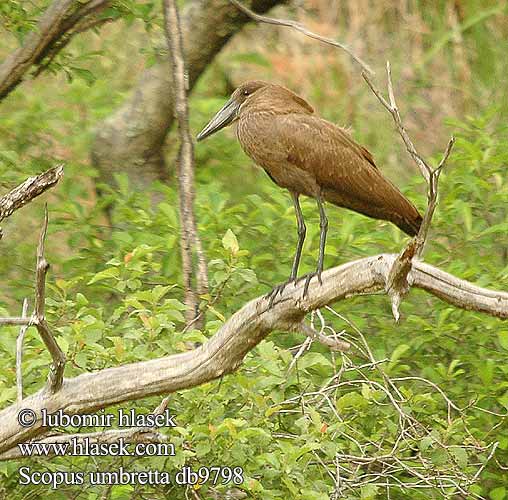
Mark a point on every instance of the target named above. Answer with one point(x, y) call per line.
point(245, 92)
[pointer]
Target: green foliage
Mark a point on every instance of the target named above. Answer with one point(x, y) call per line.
point(116, 299)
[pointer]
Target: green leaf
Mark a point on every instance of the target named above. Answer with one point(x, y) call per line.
point(503, 339)
point(230, 242)
point(498, 493)
point(460, 455)
point(112, 272)
point(63, 344)
point(368, 492)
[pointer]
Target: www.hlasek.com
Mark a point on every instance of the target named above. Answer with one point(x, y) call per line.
point(103, 443)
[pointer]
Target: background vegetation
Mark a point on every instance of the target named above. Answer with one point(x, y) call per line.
point(114, 285)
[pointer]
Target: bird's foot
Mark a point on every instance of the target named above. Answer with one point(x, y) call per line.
point(277, 290)
point(308, 277)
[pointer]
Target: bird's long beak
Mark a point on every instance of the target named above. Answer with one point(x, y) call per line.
point(224, 117)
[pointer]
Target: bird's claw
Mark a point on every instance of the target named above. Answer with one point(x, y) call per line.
point(277, 290)
point(308, 277)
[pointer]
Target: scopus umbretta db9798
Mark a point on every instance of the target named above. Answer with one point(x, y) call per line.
point(308, 155)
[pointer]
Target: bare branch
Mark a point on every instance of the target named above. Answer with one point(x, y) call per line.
point(425, 169)
point(55, 376)
point(333, 344)
point(432, 191)
point(53, 30)
point(398, 285)
point(224, 352)
point(15, 321)
point(189, 240)
point(41, 269)
point(19, 352)
point(296, 26)
point(28, 190)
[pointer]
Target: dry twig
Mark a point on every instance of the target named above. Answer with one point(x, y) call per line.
point(396, 462)
point(38, 319)
point(398, 285)
point(55, 377)
point(292, 24)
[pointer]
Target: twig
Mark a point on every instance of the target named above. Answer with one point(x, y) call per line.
point(305, 31)
point(15, 321)
point(491, 454)
point(189, 241)
point(425, 169)
point(55, 377)
point(19, 352)
point(333, 344)
point(432, 192)
point(304, 347)
point(397, 285)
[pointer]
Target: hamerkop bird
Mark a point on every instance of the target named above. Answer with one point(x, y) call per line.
point(311, 156)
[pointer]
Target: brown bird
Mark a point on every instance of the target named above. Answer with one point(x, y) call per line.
point(311, 156)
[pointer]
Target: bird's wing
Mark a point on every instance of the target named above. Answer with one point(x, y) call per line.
point(344, 170)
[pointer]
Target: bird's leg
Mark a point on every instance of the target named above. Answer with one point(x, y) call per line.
point(323, 225)
point(302, 231)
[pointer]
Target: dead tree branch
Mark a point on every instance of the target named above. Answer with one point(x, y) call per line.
point(224, 352)
point(58, 24)
point(28, 190)
point(398, 284)
point(298, 27)
point(38, 319)
point(190, 243)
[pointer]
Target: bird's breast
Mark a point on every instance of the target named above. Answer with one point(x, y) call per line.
point(260, 138)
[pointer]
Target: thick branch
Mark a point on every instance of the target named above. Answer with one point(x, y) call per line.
point(131, 435)
point(53, 30)
point(28, 190)
point(224, 352)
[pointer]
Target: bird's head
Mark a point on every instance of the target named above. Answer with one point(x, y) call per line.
point(230, 111)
